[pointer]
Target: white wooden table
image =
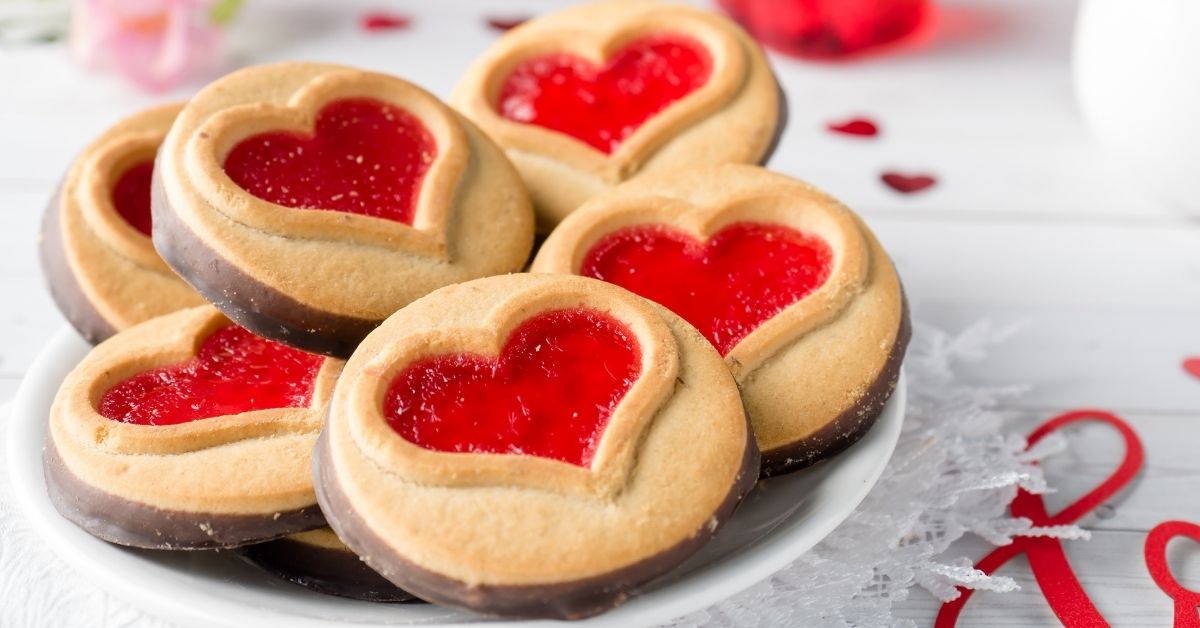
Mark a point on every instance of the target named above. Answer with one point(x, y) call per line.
point(1027, 224)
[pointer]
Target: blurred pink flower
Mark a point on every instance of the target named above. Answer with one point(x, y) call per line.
point(155, 43)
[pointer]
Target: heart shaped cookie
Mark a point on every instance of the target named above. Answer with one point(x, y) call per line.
point(311, 201)
point(320, 561)
point(188, 432)
point(784, 281)
point(590, 96)
point(492, 446)
point(95, 248)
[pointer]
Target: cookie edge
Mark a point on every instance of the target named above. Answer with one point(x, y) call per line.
point(273, 314)
point(576, 599)
point(60, 279)
point(851, 424)
point(134, 524)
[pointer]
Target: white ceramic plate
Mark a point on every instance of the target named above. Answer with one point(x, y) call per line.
point(778, 522)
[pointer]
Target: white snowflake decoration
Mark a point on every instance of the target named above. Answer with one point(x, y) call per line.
point(954, 471)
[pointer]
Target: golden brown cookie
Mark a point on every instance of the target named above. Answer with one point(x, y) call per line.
point(188, 432)
point(590, 96)
point(318, 560)
point(532, 445)
point(96, 251)
point(786, 282)
point(310, 201)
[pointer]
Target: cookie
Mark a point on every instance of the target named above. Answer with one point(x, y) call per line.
point(95, 248)
point(310, 201)
point(318, 560)
point(188, 432)
point(787, 283)
point(585, 98)
point(532, 446)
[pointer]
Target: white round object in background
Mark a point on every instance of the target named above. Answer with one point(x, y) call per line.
point(1137, 80)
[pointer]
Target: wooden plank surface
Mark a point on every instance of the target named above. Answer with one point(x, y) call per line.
point(1115, 579)
point(1028, 224)
point(1163, 491)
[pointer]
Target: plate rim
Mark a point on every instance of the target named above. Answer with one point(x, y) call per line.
point(699, 590)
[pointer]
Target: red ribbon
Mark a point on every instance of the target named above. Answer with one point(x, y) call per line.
point(1047, 560)
point(1186, 600)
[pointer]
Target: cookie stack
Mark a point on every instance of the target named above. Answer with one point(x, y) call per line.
point(306, 285)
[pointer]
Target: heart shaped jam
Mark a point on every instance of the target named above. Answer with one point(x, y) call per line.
point(234, 371)
point(726, 287)
point(364, 156)
point(549, 393)
point(603, 106)
point(131, 195)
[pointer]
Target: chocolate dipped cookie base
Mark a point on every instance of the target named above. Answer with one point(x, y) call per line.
point(63, 286)
point(326, 570)
point(135, 524)
point(566, 600)
point(245, 300)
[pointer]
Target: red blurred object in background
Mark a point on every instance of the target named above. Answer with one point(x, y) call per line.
point(830, 29)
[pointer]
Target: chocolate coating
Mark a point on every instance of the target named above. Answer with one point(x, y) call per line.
point(134, 524)
point(324, 570)
point(566, 600)
point(245, 300)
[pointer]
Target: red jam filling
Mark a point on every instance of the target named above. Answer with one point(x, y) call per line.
point(131, 195)
point(604, 105)
point(234, 371)
point(550, 393)
point(745, 274)
point(364, 156)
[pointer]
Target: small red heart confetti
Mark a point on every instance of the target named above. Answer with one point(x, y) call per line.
point(907, 184)
point(860, 127)
point(378, 21)
point(506, 23)
point(1192, 367)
